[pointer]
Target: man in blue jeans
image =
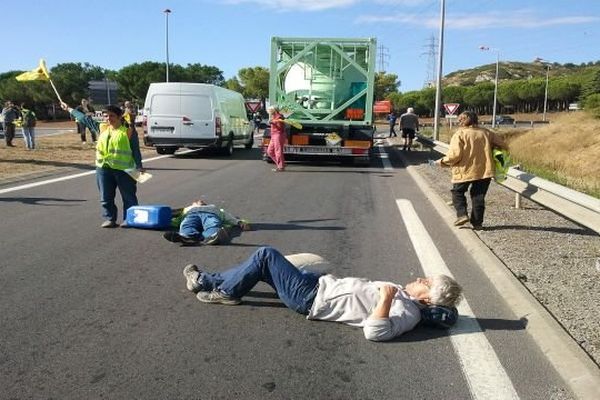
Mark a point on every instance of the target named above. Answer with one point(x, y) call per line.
point(383, 309)
point(204, 223)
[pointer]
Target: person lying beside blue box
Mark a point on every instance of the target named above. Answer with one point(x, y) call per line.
point(202, 223)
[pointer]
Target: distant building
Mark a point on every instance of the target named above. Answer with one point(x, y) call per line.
point(103, 92)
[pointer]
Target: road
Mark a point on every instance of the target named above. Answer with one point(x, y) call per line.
point(96, 313)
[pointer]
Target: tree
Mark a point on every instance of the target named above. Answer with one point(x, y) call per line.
point(134, 79)
point(71, 80)
point(203, 74)
point(385, 84)
point(234, 84)
point(255, 81)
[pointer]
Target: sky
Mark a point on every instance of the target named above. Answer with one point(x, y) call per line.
point(234, 34)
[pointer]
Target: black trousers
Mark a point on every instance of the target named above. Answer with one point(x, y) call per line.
point(478, 191)
point(9, 133)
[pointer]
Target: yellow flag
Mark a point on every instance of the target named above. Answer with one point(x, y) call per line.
point(38, 74)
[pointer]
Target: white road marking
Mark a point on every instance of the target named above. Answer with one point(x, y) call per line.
point(385, 159)
point(68, 177)
point(485, 375)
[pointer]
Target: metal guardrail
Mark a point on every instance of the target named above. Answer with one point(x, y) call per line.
point(578, 207)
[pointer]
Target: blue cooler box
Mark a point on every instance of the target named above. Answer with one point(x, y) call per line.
point(151, 216)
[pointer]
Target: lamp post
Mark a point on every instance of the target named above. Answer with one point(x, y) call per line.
point(167, 12)
point(485, 48)
point(438, 80)
point(547, 64)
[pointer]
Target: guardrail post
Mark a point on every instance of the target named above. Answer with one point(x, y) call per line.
point(518, 201)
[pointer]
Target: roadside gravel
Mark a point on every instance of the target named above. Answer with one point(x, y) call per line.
point(557, 260)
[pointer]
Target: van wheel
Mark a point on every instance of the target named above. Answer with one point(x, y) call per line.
point(250, 143)
point(166, 150)
point(228, 149)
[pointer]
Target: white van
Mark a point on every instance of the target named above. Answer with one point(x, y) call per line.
point(195, 115)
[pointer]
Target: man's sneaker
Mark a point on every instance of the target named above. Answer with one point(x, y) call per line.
point(124, 224)
point(221, 237)
point(461, 221)
point(192, 273)
point(478, 228)
point(216, 297)
point(109, 224)
point(175, 237)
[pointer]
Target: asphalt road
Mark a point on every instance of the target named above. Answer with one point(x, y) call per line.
point(97, 313)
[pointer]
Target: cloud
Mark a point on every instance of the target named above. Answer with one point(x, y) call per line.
point(516, 19)
point(298, 5)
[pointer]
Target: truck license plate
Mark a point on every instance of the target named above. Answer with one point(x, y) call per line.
point(317, 150)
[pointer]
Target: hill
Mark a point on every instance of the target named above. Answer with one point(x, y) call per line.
point(514, 70)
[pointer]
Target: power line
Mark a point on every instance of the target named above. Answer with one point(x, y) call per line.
point(383, 53)
point(431, 53)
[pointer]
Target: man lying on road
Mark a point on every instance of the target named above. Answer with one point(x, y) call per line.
point(384, 310)
point(201, 223)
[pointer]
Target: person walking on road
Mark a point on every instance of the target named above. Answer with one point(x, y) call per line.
point(117, 151)
point(392, 120)
point(384, 310)
point(29, 120)
point(409, 123)
point(470, 157)
point(278, 138)
point(202, 223)
point(10, 114)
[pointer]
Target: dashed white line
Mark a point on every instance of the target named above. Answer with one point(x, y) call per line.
point(486, 377)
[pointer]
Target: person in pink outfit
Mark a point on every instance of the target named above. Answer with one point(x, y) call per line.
point(278, 138)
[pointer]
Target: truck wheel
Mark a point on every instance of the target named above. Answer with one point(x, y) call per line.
point(250, 143)
point(166, 150)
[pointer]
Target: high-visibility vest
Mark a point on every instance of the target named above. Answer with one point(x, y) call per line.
point(502, 162)
point(113, 148)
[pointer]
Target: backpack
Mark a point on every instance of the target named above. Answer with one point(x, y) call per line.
point(29, 118)
point(502, 163)
point(439, 316)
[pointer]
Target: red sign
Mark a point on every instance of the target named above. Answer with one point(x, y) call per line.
point(383, 106)
point(253, 106)
point(451, 107)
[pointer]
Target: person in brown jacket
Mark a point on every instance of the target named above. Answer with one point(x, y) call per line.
point(470, 157)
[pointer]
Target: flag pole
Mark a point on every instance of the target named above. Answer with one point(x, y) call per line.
point(55, 91)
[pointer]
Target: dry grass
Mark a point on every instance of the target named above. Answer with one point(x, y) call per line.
point(565, 151)
point(52, 153)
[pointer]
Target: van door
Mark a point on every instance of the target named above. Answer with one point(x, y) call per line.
point(197, 118)
point(164, 118)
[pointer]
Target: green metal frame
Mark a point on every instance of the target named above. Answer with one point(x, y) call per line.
point(358, 54)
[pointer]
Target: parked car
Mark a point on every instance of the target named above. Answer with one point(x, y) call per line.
point(504, 120)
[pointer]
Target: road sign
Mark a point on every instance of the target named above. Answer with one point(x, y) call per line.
point(451, 107)
point(253, 106)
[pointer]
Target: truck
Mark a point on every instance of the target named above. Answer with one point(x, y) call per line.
point(325, 85)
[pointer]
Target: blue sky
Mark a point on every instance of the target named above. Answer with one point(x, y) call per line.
point(232, 34)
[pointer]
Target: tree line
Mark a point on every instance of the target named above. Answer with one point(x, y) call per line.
point(72, 79)
point(513, 96)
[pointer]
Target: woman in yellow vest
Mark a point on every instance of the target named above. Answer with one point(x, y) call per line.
point(117, 150)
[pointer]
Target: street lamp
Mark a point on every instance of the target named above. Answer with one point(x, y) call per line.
point(438, 80)
point(547, 64)
point(485, 48)
point(167, 12)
